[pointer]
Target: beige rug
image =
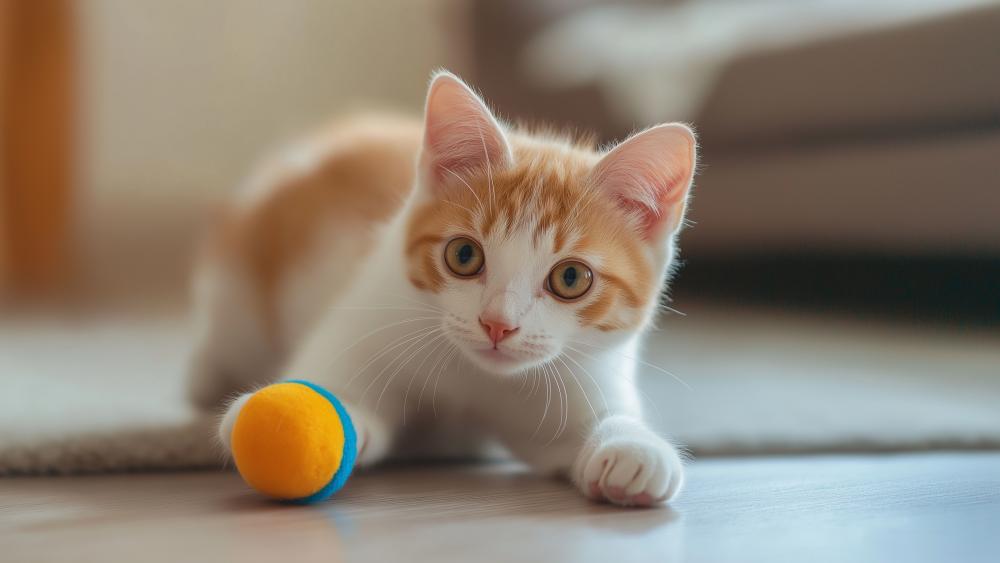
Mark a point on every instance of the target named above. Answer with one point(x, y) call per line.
point(104, 393)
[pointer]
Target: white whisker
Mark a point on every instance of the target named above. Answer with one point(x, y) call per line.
point(414, 342)
point(430, 373)
point(666, 307)
point(466, 184)
point(525, 377)
point(489, 166)
point(403, 363)
point(548, 400)
point(560, 386)
point(460, 206)
point(582, 390)
point(640, 361)
point(441, 310)
point(635, 384)
point(394, 344)
point(383, 308)
point(438, 380)
point(441, 340)
point(336, 356)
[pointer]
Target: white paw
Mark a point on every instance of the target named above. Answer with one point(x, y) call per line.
point(629, 465)
point(229, 420)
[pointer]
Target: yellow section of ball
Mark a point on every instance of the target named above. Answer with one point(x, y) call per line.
point(287, 441)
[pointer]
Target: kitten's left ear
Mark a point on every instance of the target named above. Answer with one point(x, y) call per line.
point(650, 175)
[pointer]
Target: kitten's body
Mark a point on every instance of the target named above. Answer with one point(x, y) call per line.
point(292, 244)
point(332, 269)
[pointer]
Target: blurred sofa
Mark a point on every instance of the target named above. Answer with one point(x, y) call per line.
point(883, 139)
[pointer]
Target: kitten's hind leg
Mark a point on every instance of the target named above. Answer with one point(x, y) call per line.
point(232, 352)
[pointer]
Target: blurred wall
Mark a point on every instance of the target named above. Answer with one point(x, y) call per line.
point(180, 97)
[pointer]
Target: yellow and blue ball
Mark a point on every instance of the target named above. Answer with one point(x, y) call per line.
point(294, 441)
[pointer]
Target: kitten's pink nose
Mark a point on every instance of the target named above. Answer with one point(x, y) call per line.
point(497, 330)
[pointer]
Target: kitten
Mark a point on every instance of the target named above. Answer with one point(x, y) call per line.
point(454, 282)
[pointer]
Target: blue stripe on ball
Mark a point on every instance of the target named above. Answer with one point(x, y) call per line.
point(350, 447)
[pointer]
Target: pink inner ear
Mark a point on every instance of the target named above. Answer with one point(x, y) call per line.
point(649, 175)
point(649, 217)
point(462, 146)
point(460, 133)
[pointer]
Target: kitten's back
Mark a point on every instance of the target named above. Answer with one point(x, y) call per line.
point(294, 238)
point(334, 187)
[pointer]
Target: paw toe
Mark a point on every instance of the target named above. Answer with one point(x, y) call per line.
point(632, 474)
point(643, 499)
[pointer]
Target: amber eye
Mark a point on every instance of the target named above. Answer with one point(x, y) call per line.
point(464, 257)
point(570, 280)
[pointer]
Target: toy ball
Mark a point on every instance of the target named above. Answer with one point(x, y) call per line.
point(294, 441)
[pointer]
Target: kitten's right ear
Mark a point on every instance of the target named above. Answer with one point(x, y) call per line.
point(460, 133)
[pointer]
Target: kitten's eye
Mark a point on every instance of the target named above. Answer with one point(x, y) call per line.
point(570, 280)
point(464, 257)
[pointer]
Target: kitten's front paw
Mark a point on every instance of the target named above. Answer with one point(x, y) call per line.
point(628, 465)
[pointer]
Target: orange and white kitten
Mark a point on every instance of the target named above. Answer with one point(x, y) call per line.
point(457, 282)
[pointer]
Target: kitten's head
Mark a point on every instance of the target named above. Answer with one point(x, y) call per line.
point(534, 245)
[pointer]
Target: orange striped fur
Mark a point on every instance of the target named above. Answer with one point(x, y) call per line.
point(348, 178)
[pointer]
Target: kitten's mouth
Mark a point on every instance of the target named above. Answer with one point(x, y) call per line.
point(504, 362)
point(498, 355)
point(503, 359)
